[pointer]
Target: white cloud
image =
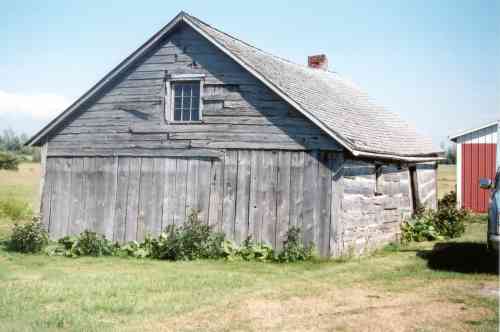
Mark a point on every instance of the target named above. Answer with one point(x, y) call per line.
point(42, 106)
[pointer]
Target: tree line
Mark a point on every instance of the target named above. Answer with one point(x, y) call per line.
point(13, 150)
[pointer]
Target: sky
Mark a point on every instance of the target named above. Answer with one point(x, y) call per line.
point(436, 63)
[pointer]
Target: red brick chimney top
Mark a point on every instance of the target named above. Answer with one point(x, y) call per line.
point(318, 61)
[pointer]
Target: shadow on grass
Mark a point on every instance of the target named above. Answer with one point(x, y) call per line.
point(463, 257)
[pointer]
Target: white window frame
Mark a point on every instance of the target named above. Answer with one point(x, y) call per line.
point(169, 96)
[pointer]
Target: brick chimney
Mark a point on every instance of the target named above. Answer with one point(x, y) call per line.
point(318, 61)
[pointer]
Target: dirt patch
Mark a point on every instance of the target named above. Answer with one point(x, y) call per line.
point(350, 309)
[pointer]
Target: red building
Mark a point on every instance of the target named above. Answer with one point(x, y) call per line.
point(476, 158)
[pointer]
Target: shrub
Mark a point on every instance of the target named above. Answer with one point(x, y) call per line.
point(134, 249)
point(15, 210)
point(8, 161)
point(28, 238)
point(420, 228)
point(192, 240)
point(87, 244)
point(450, 221)
point(448, 201)
point(428, 225)
point(252, 251)
point(293, 249)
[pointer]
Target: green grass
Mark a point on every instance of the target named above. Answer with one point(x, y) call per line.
point(22, 186)
point(41, 293)
point(409, 288)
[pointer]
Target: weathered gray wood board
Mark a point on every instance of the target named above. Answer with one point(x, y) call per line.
point(426, 183)
point(239, 112)
point(245, 193)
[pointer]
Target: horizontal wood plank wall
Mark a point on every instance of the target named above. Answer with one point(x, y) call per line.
point(246, 193)
point(239, 112)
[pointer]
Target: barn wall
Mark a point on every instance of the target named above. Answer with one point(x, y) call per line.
point(243, 193)
point(238, 110)
point(475, 159)
point(426, 185)
point(376, 199)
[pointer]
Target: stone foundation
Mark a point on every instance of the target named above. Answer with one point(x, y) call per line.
point(376, 199)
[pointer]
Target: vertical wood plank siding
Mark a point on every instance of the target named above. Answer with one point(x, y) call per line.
point(245, 193)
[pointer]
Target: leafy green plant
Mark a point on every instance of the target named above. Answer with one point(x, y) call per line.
point(192, 240)
point(87, 244)
point(28, 238)
point(448, 201)
point(429, 225)
point(229, 250)
point(15, 209)
point(420, 228)
point(449, 220)
point(253, 251)
point(134, 249)
point(293, 249)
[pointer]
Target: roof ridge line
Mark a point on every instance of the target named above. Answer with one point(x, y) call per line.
point(189, 16)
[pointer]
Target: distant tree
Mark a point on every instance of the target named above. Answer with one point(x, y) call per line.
point(9, 141)
point(450, 153)
point(13, 144)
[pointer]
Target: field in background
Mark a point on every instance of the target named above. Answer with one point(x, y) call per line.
point(20, 185)
point(446, 179)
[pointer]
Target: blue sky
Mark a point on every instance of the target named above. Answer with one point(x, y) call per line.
point(437, 63)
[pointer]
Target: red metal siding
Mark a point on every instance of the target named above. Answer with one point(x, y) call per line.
point(478, 161)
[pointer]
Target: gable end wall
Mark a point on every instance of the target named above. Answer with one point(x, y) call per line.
point(238, 110)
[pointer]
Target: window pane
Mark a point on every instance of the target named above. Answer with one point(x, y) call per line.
point(195, 115)
point(195, 103)
point(177, 115)
point(178, 90)
point(196, 89)
point(187, 90)
point(178, 102)
point(186, 101)
point(185, 114)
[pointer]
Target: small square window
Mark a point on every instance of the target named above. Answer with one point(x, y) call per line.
point(185, 105)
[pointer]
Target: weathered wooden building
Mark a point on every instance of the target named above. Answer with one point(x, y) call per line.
point(197, 119)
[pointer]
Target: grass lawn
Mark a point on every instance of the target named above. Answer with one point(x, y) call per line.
point(414, 289)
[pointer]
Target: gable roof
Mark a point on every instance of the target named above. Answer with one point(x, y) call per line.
point(334, 104)
point(455, 137)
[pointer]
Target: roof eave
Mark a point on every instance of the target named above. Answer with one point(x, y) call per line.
point(415, 158)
